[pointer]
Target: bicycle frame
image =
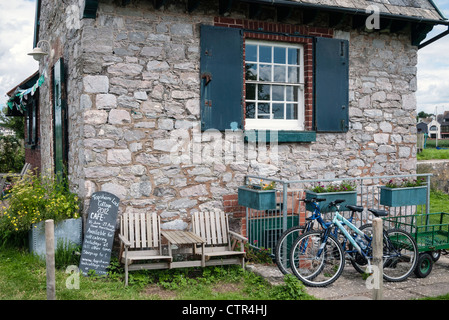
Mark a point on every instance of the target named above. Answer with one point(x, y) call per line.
point(338, 219)
point(317, 216)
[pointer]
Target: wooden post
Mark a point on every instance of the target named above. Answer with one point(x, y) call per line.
point(377, 259)
point(50, 259)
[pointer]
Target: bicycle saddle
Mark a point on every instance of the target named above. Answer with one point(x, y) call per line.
point(378, 212)
point(355, 208)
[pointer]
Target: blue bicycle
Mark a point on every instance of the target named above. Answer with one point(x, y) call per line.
point(317, 258)
point(286, 240)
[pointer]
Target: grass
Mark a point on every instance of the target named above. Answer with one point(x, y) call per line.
point(430, 154)
point(439, 201)
point(23, 277)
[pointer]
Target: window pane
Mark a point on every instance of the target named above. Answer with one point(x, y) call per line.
point(263, 111)
point(293, 74)
point(250, 110)
point(293, 56)
point(250, 91)
point(263, 92)
point(251, 52)
point(251, 71)
point(291, 111)
point(279, 55)
point(264, 54)
point(291, 93)
point(278, 111)
point(279, 73)
point(265, 72)
point(278, 93)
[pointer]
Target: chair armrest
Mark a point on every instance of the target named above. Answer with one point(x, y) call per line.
point(238, 236)
point(125, 241)
point(9, 175)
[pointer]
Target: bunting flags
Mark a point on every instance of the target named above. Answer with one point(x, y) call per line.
point(23, 93)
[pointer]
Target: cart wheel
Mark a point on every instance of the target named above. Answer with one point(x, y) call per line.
point(424, 266)
point(436, 255)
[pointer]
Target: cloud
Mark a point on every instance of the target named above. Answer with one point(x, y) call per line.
point(433, 69)
point(16, 34)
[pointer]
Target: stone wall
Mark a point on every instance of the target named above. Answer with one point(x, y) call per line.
point(60, 24)
point(440, 171)
point(133, 95)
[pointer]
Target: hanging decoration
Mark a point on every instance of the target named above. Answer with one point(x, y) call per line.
point(22, 94)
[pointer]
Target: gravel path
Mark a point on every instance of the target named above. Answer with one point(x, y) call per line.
point(351, 286)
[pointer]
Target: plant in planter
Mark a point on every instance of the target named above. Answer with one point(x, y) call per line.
point(340, 190)
point(32, 200)
point(261, 196)
point(405, 192)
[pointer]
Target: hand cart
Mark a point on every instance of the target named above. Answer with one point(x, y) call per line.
point(431, 232)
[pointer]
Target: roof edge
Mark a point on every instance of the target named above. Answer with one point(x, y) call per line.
point(350, 10)
point(437, 9)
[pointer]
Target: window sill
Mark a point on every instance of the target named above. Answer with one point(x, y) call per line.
point(282, 135)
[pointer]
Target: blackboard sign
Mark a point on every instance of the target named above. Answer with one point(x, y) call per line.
point(99, 234)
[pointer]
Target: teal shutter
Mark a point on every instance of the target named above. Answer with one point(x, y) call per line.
point(59, 118)
point(221, 74)
point(331, 85)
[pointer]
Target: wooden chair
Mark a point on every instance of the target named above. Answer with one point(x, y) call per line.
point(140, 237)
point(4, 177)
point(213, 227)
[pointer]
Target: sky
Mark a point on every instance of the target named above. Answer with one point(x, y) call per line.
point(16, 40)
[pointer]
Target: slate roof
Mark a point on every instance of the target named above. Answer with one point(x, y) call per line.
point(416, 9)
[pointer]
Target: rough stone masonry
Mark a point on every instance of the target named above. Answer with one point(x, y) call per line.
point(133, 90)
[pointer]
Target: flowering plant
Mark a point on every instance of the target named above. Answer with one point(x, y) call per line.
point(335, 187)
point(406, 183)
point(36, 198)
point(262, 185)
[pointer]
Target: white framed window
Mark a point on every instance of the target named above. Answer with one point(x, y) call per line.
point(274, 85)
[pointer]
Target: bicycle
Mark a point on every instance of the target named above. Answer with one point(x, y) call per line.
point(283, 246)
point(319, 258)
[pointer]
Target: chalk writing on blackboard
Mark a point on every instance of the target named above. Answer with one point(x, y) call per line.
point(99, 234)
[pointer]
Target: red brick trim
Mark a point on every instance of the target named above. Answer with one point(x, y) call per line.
point(290, 33)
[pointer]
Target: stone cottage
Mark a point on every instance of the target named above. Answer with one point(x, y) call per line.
point(170, 103)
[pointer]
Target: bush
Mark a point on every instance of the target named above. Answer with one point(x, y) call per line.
point(12, 155)
point(33, 199)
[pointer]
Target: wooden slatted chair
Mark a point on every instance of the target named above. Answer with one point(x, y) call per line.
point(140, 237)
point(213, 226)
point(6, 177)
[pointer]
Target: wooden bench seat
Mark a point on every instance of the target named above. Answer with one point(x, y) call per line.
point(213, 226)
point(140, 237)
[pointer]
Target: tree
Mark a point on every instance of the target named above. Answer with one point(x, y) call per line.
point(14, 123)
point(423, 114)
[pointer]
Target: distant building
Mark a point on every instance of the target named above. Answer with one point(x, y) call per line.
point(6, 132)
point(445, 125)
point(435, 128)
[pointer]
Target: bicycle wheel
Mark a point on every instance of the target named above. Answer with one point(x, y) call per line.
point(314, 262)
point(283, 246)
point(400, 255)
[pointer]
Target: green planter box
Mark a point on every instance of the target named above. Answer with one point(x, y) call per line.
point(257, 199)
point(350, 198)
point(399, 197)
